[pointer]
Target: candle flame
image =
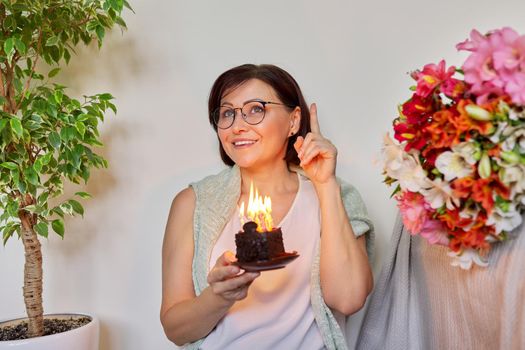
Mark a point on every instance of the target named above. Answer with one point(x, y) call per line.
point(259, 210)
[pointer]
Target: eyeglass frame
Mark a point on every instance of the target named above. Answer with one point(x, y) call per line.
point(264, 103)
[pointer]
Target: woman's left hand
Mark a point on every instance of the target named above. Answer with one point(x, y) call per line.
point(317, 154)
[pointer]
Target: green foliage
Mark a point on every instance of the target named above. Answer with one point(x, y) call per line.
point(47, 137)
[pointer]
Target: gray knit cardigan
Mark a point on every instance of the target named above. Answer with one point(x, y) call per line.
point(216, 200)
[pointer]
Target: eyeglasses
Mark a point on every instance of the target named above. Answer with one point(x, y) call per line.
point(252, 112)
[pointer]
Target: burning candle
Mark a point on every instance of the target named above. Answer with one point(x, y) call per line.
point(259, 211)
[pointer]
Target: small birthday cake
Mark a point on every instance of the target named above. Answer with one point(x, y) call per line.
point(258, 241)
point(253, 245)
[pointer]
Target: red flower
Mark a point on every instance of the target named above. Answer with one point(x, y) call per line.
point(463, 187)
point(412, 135)
point(431, 77)
point(481, 190)
point(473, 238)
point(453, 221)
point(453, 88)
point(442, 130)
point(417, 109)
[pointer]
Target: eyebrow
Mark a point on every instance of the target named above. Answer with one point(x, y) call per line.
point(245, 102)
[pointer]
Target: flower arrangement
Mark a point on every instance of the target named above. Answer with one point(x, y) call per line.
point(459, 162)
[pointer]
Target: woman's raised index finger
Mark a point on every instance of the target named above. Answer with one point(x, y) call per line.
point(314, 121)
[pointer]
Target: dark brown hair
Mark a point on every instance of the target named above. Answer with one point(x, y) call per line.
point(282, 82)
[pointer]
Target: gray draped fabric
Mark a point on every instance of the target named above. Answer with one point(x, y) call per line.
point(420, 301)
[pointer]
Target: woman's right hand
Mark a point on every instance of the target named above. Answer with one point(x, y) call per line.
point(229, 281)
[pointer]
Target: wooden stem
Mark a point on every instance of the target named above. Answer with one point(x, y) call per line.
point(32, 276)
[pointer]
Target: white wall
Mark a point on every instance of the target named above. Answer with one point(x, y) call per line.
point(351, 57)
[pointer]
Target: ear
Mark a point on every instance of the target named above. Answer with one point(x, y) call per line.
point(295, 120)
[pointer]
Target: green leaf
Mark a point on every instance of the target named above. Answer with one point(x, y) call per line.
point(100, 32)
point(57, 210)
point(58, 227)
point(112, 106)
point(31, 176)
point(54, 139)
point(66, 208)
point(121, 22)
point(55, 53)
point(20, 46)
point(67, 134)
point(16, 126)
point(67, 56)
point(42, 199)
point(2, 100)
point(9, 165)
point(116, 5)
point(9, 23)
point(37, 165)
point(105, 97)
point(8, 232)
point(53, 72)
point(9, 48)
point(77, 207)
point(85, 174)
point(52, 41)
point(77, 153)
point(47, 158)
point(42, 229)
point(81, 128)
point(3, 123)
point(128, 6)
point(58, 96)
point(12, 208)
point(83, 194)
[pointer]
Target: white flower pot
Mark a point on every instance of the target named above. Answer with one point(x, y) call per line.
point(82, 338)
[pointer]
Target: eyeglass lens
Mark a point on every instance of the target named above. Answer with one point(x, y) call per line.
point(252, 113)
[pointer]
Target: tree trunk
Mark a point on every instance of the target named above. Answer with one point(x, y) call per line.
point(32, 277)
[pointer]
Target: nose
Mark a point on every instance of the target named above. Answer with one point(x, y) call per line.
point(239, 124)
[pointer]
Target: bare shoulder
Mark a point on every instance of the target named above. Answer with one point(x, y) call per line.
point(182, 207)
point(184, 200)
point(179, 227)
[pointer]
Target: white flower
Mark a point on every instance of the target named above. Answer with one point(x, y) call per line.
point(392, 156)
point(404, 167)
point(495, 138)
point(468, 151)
point(514, 136)
point(520, 199)
point(412, 177)
point(452, 165)
point(504, 221)
point(471, 212)
point(465, 258)
point(440, 193)
point(515, 115)
point(513, 176)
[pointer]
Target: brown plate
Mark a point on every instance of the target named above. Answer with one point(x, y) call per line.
point(265, 265)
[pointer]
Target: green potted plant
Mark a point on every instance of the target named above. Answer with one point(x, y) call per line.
point(46, 137)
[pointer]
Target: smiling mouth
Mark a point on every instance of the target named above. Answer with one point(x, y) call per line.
point(243, 143)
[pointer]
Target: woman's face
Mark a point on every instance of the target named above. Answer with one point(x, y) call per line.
point(262, 144)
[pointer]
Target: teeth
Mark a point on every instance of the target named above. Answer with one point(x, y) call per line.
point(240, 143)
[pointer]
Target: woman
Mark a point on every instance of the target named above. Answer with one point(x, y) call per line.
point(269, 136)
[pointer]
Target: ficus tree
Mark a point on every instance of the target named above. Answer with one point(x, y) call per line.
point(46, 137)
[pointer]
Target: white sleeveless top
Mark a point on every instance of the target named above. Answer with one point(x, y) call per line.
point(277, 313)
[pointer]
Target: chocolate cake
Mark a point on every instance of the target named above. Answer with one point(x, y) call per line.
point(258, 246)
